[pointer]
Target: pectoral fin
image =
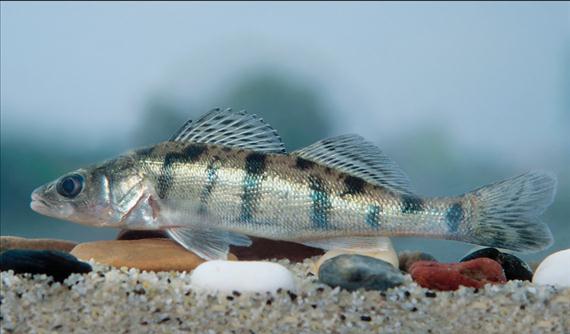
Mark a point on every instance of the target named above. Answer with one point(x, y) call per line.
point(208, 243)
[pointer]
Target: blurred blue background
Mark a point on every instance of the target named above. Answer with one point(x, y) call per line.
point(459, 94)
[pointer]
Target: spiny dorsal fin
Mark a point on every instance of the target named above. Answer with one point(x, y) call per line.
point(354, 155)
point(231, 128)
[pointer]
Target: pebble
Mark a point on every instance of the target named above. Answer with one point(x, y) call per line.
point(143, 254)
point(264, 249)
point(9, 242)
point(110, 300)
point(141, 234)
point(514, 268)
point(388, 255)
point(242, 276)
point(449, 276)
point(352, 272)
point(408, 258)
point(554, 270)
point(56, 264)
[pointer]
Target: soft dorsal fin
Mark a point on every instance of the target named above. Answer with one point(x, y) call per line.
point(357, 157)
point(231, 128)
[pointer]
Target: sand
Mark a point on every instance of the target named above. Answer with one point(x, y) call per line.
point(110, 300)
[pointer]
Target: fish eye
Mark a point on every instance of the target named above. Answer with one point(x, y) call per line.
point(70, 186)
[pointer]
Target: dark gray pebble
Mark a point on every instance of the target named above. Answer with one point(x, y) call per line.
point(514, 268)
point(352, 272)
point(408, 258)
point(57, 264)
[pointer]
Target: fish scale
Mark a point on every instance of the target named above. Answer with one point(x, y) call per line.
point(226, 177)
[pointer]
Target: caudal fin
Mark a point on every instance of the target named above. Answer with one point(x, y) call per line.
point(506, 213)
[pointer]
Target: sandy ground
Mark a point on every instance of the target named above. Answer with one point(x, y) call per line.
point(129, 301)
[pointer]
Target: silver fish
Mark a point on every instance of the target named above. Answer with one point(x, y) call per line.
point(227, 176)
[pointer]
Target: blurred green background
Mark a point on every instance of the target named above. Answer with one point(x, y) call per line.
point(460, 95)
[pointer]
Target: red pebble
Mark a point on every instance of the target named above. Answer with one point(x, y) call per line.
point(449, 276)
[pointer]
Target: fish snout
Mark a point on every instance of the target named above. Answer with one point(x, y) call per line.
point(39, 204)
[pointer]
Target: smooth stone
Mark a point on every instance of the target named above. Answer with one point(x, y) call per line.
point(8, 242)
point(514, 268)
point(260, 249)
point(407, 258)
point(143, 254)
point(450, 276)
point(141, 234)
point(554, 270)
point(57, 264)
point(389, 255)
point(352, 272)
point(263, 249)
point(242, 276)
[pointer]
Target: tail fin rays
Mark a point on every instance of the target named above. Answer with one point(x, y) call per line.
point(506, 213)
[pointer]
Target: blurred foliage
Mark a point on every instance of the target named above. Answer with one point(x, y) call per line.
point(295, 110)
point(160, 118)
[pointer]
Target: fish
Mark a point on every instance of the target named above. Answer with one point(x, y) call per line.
point(226, 177)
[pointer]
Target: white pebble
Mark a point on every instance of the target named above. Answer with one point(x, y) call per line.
point(242, 276)
point(554, 270)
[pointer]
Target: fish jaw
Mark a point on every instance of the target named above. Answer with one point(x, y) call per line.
point(42, 206)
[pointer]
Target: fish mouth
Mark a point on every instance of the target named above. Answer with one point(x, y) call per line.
point(38, 204)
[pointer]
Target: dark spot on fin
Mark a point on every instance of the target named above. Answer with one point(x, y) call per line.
point(321, 204)
point(412, 204)
point(303, 164)
point(454, 217)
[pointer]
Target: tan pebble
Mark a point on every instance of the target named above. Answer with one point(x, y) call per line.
point(7, 242)
point(389, 255)
point(143, 254)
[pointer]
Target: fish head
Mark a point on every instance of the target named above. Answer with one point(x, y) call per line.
point(99, 195)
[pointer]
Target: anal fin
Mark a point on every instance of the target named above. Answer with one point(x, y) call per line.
point(208, 243)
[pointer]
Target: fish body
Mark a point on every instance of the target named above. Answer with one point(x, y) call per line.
point(226, 177)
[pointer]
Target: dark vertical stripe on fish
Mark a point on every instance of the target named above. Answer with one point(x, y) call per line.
point(211, 178)
point(303, 164)
point(353, 185)
point(454, 217)
point(255, 164)
point(321, 204)
point(190, 154)
point(373, 215)
point(412, 204)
